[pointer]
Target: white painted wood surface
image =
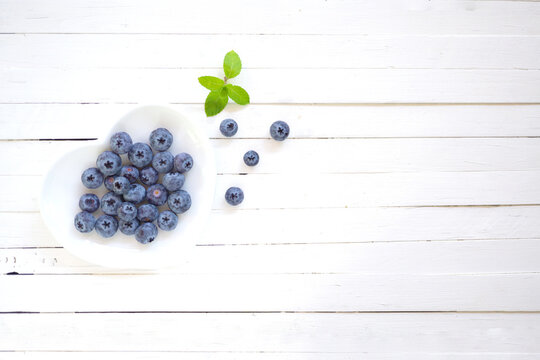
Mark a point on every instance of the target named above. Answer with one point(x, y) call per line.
point(399, 221)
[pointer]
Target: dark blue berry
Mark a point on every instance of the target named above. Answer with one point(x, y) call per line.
point(121, 142)
point(228, 127)
point(147, 213)
point(89, 202)
point(163, 162)
point(92, 178)
point(167, 220)
point(234, 196)
point(131, 173)
point(128, 227)
point(127, 211)
point(84, 222)
point(109, 182)
point(109, 163)
point(121, 185)
point(149, 176)
point(279, 130)
point(183, 162)
point(251, 158)
point(146, 233)
point(140, 155)
point(179, 201)
point(173, 181)
point(156, 194)
point(135, 194)
point(161, 139)
point(110, 202)
point(106, 226)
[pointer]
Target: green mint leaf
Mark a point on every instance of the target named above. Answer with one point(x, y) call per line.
point(216, 101)
point(238, 94)
point(211, 82)
point(232, 64)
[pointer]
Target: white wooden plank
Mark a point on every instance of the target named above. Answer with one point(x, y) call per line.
point(277, 17)
point(271, 292)
point(280, 191)
point(398, 335)
point(51, 121)
point(318, 155)
point(358, 86)
point(185, 51)
point(489, 256)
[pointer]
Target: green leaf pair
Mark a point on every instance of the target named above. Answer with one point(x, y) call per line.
point(220, 91)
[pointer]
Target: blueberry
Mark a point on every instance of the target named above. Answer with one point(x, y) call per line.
point(140, 155)
point(228, 127)
point(279, 130)
point(92, 178)
point(131, 173)
point(251, 158)
point(84, 222)
point(167, 220)
point(128, 227)
point(135, 194)
point(121, 142)
point(109, 163)
point(146, 233)
point(173, 181)
point(127, 211)
point(161, 139)
point(149, 176)
point(89, 202)
point(109, 182)
point(121, 185)
point(183, 162)
point(163, 162)
point(156, 194)
point(147, 213)
point(106, 226)
point(234, 196)
point(179, 201)
point(110, 202)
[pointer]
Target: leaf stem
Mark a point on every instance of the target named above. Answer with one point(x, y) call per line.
point(225, 79)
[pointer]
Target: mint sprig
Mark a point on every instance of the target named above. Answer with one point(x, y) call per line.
point(220, 91)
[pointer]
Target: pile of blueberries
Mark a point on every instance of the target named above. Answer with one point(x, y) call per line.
point(135, 190)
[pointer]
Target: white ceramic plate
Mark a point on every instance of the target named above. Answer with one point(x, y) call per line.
point(62, 188)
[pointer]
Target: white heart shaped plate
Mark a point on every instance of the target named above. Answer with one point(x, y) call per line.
point(62, 188)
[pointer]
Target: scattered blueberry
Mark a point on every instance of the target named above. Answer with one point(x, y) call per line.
point(161, 139)
point(146, 233)
point(140, 155)
point(279, 130)
point(121, 142)
point(234, 196)
point(173, 181)
point(228, 127)
point(109, 182)
point(127, 211)
point(147, 213)
point(149, 176)
point(110, 202)
point(163, 162)
point(89, 202)
point(84, 222)
point(251, 158)
point(167, 220)
point(156, 194)
point(179, 201)
point(106, 226)
point(92, 178)
point(121, 185)
point(135, 194)
point(130, 172)
point(128, 227)
point(183, 162)
point(109, 163)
